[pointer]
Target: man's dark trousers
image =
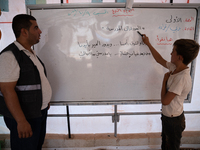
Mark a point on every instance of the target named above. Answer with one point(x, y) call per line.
point(35, 142)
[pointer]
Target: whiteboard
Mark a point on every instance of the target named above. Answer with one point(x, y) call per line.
point(96, 54)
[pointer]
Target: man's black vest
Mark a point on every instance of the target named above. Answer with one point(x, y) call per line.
point(28, 88)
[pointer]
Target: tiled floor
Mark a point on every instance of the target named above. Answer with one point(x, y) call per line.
point(151, 141)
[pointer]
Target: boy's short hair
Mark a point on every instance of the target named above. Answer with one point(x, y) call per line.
point(21, 21)
point(187, 48)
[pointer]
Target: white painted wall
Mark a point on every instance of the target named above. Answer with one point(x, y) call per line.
point(127, 124)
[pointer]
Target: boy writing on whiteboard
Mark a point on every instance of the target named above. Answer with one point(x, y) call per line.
point(175, 88)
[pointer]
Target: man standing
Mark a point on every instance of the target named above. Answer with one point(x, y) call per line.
point(25, 92)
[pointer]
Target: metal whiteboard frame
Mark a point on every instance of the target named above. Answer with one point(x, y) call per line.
point(123, 5)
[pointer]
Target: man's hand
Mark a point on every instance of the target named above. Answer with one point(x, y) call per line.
point(24, 129)
point(11, 99)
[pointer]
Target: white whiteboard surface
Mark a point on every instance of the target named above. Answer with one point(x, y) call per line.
point(96, 54)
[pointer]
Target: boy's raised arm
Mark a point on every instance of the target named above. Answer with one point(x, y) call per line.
point(159, 59)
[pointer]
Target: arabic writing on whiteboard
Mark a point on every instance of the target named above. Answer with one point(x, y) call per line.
point(189, 29)
point(174, 19)
point(77, 12)
point(126, 28)
point(164, 40)
point(117, 34)
point(166, 28)
point(116, 12)
point(97, 54)
point(121, 13)
point(98, 43)
point(189, 19)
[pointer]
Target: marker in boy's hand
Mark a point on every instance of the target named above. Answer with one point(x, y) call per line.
point(144, 38)
point(139, 33)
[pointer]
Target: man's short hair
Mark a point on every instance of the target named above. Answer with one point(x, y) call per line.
point(187, 48)
point(21, 21)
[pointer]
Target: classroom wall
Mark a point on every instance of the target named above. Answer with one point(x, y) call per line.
point(83, 125)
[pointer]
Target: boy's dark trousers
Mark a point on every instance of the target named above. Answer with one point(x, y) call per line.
point(172, 128)
point(39, 131)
